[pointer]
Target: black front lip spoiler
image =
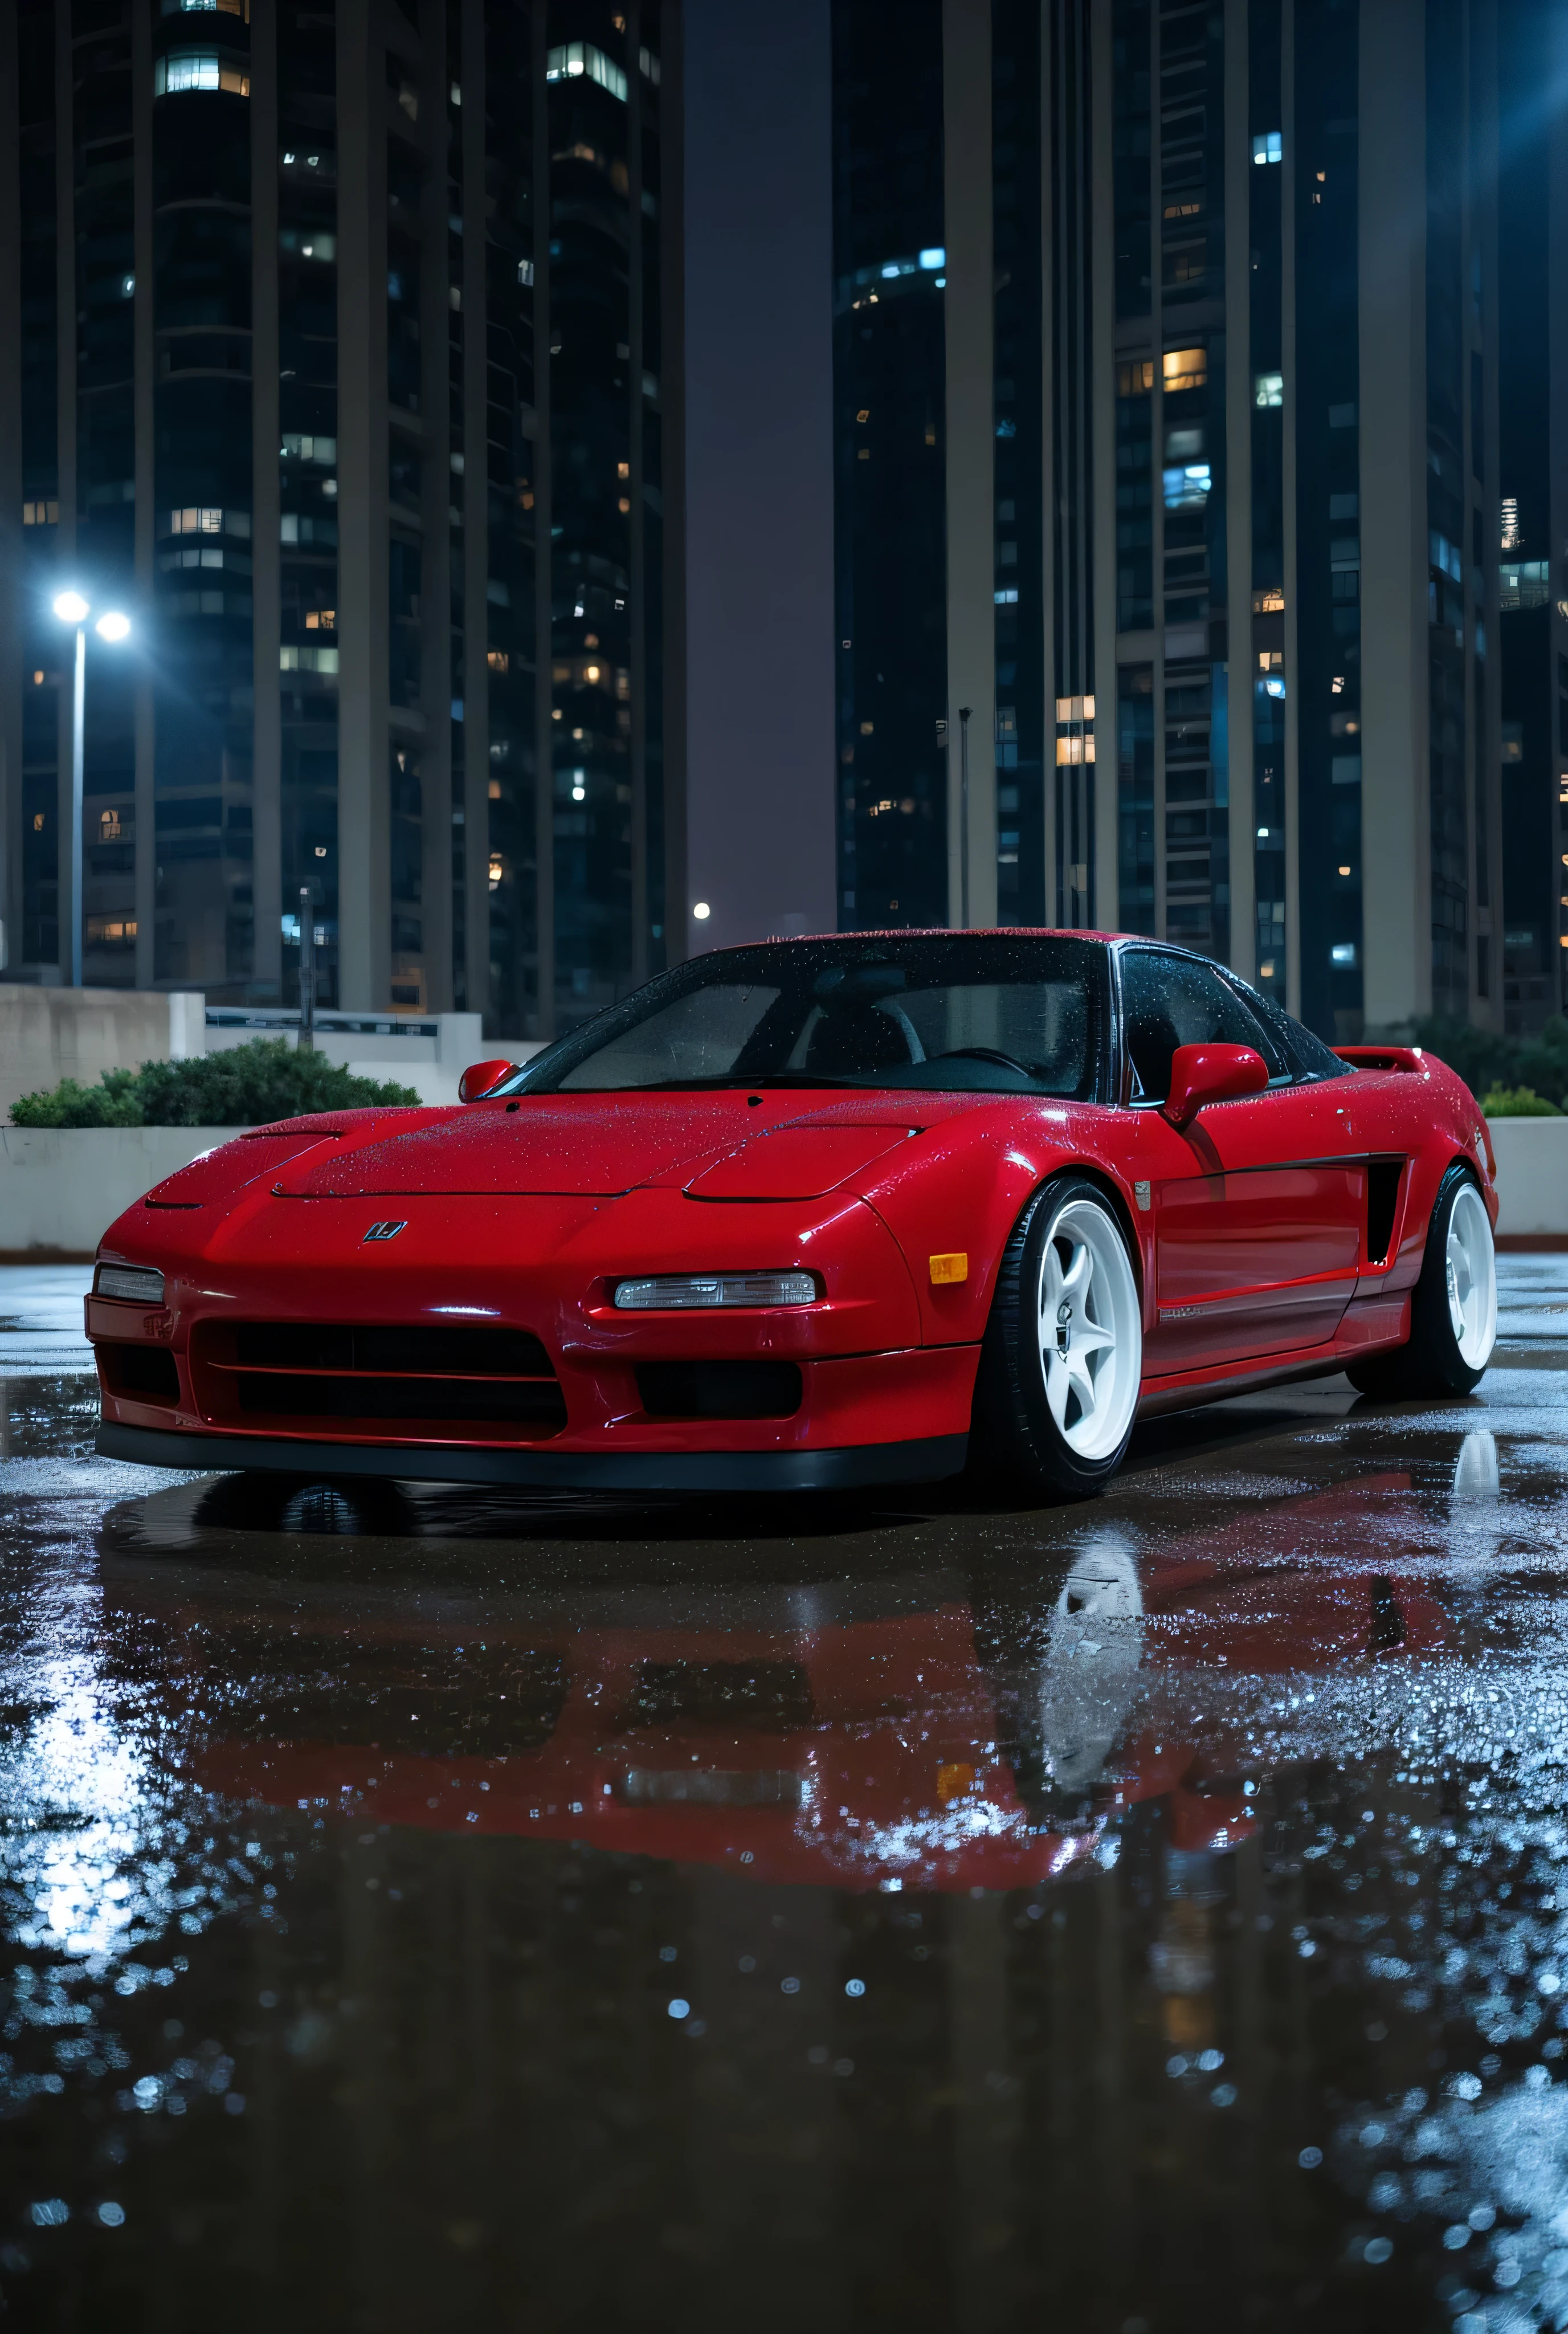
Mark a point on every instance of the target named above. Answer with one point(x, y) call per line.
point(927, 1461)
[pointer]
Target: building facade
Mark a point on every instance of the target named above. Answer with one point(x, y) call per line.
point(1532, 530)
point(332, 350)
point(1216, 459)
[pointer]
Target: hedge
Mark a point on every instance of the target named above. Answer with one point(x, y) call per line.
point(245, 1085)
point(1488, 1063)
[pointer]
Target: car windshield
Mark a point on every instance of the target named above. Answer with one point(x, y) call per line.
point(972, 1013)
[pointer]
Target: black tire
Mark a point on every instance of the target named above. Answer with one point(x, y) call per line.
point(1431, 1362)
point(1015, 1434)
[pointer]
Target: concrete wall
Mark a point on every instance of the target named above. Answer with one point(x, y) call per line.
point(61, 1188)
point(1532, 1174)
point(49, 1034)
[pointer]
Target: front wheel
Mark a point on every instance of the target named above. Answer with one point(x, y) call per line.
point(1063, 1353)
point(1453, 1308)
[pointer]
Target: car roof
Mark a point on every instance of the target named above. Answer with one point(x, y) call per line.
point(934, 932)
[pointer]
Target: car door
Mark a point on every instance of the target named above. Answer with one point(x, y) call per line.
point(1258, 1206)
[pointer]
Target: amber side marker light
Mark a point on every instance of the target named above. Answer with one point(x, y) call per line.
point(947, 1268)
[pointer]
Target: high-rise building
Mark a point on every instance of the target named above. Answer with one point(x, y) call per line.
point(1167, 408)
point(1533, 521)
point(332, 350)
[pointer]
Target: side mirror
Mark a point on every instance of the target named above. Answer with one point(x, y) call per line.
point(1201, 1075)
point(482, 1078)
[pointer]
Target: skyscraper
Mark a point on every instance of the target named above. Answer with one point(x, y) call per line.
point(332, 348)
point(1216, 460)
point(1533, 521)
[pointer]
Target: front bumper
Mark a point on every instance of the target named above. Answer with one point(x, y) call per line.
point(927, 1460)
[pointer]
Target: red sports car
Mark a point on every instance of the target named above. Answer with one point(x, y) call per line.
point(817, 1213)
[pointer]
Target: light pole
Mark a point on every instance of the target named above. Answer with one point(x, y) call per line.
point(307, 1037)
point(72, 609)
point(964, 713)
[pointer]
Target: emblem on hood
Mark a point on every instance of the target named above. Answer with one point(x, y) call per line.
point(386, 1231)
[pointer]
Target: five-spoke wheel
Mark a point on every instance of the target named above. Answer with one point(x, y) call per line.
point(1063, 1356)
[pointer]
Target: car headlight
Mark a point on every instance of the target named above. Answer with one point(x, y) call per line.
point(679, 1292)
point(138, 1284)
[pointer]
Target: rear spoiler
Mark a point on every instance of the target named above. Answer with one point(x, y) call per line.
point(1383, 1057)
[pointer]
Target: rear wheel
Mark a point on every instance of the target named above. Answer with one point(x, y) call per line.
point(1453, 1308)
point(1063, 1356)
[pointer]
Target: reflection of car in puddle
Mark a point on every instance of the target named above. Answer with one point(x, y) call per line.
point(934, 1732)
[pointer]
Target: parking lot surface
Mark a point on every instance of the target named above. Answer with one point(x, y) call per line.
point(422, 1909)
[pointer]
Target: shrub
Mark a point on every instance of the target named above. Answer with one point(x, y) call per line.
point(1485, 1062)
point(245, 1085)
point(1517, 1102)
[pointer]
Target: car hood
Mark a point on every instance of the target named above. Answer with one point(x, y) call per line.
point(592, 1145)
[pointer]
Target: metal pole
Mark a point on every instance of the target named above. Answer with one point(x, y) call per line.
point(307, 1041)
point(73, 884)
point(963, 712)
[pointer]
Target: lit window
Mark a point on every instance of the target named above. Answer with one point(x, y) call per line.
point(1187, 488)
point(526, 271)
point(1269, 602)
point(1185, 368)
point(496, 870)
point(309, 660)
point(185, 69)
point(1523, 584)
point(1268, 148)
point(934, 258)
point(579, 59)
point(1512, 741)
point(1269, 388)
point(109, 828)
point(40, 514)
point(309, 449)
point(1270, 659)
point(1075, 709)
point(1508, 528)
point(1344, 953)
point(1005, 599)
point(1446, 557)
point(1135, 380)
point(646, 59)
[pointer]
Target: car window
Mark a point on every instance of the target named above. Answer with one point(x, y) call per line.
point(1041, 1024)
point(698, 1036)
point(960, 1013)
point(1169, 1001)
point(1308, 1056)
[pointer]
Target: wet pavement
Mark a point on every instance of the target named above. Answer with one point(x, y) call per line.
point(422, 1909)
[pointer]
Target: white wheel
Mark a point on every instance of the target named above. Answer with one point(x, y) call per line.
point(1471, 1272)
point(1089, 1327)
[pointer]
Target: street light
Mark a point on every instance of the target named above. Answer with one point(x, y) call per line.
point(112, 626)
